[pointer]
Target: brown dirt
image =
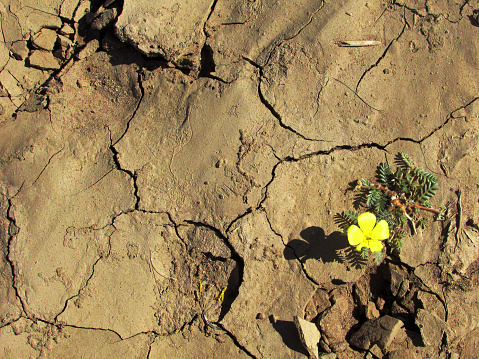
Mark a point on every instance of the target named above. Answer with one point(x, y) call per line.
point(210, 150)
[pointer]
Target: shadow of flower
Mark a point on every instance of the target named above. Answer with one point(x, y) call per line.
point(316, 245)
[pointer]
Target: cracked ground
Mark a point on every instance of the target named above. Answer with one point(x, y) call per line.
point(169, 182)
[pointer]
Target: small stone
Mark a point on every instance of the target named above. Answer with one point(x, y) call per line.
point(3, 91)
point(378, 331)
point(336, 321)
point(45, 39)
point(82, 10)
point(376, 351)
point(260, 316)
point(396, 277)
point(19, 50)
point(65, 49)
point(397, 310)
point(402, 353)
point(43, 60)
point(309, 335)
point(67, 8)
point(104, 19)
point(329, 356)
point(371, 311)
point(10, 84)
point(403, 288)
point(67, 30)
point(37, 20)
point(89, 49)
point(324, 346)
point(431, 327)
point(380, 302)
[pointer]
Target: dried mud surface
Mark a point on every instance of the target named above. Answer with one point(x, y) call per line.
point(152, 156)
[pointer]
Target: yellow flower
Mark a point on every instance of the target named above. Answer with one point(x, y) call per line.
point(368, 234)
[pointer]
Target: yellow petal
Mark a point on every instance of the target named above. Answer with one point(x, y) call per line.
point(355, 235)
point(375, 246)
point(367, 222)
point(381, 231)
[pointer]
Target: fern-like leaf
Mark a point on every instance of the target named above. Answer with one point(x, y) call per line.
point(384, 174)
point(403, 161)
point(345, 219)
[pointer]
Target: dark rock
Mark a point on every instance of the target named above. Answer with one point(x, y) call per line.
point(396, 277)
point(379, 331)
point(336, 321)
point(104, 19)
point(110, 42)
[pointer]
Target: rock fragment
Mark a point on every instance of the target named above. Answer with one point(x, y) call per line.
point(67, 30)
point(396, 277)
point(173, 30)
point(104, 19)
point(43, 60)
point(89, 49)
point(10, 84)
point(82, 10)
point(67, 8)
point(329, 356)
point(35, 20)
point(376, 351)
point(19, 50)
point(45, 39)
point(380, 331)
point(66, 48)
point(431, 327)
point(371, 311)
point(402, 353)
point(335, 323)
point(309, 335)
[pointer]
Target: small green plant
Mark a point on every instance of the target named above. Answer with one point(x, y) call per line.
point(398, 198)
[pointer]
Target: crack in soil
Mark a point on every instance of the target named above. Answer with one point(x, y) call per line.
point(271, 108)
point(12, 231)
point(234, 254)
point(101, 256)
point(305, 272)
point(46, 165)
point(280, 42)
point(115, 152)
point(381, 57)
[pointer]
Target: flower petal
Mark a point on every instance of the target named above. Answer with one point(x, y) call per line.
point(355, 235)
point(381, 231)
point(366, 222)
point(375, 245)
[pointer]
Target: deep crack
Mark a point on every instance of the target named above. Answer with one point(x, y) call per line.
point(381, 57)
point(12, 231)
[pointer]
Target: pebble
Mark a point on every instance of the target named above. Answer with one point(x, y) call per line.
point(43, 60)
